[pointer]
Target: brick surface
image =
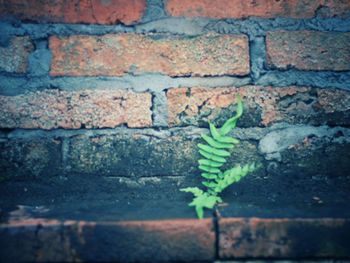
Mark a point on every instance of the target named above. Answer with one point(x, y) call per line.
point(151, 241)
point(116, 55)
point(14, 57)
point(308, 50)
point(263, 105)
point(30, 158)
point(52, 109)
point(140, 155)
point(129, 241)
point(76, 11)
point(284, 238)
point(259, 8)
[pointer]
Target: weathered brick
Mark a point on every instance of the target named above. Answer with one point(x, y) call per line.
point(128, 241)
point(116, 55)
point(263, 105)
point(30, 158)
point(259, 8)
point(14, 57)
point(150, 241)
point(50, 109)
point(283, 238)
point(145, 155)
point(308, 50)
point(75, 11)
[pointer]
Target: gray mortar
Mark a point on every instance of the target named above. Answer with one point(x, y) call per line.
point(257, 51)
point(255, 133)
point(40, 59)
point(324, 79)
point(280, 139)
point(160, 106)
point(174, 25)
point(12, 85)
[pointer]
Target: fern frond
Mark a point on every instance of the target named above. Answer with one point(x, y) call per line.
point(214, 154)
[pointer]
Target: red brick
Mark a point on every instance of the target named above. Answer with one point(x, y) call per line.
point(51, 109)
point(258, 8)
point(116, 55)
point(263, 105)
point(75, 11)
point(308, 50)
point(14, 57)
point(284, 238)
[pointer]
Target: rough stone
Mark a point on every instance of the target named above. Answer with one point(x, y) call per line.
point(308, 50)
point(61, 11)
point(263, 106)
point(277, 141)
point(206, 55)
point(283, 238)
point(14, 57)
point(141, 155)
point(310, 153)
point(304, 166)
point(50, 109)
point(30, 159)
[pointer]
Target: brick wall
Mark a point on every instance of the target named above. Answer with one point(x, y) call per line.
point(124, 88)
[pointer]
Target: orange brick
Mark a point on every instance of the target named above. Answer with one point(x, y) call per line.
point(263, 105)
point(257, 8)
point(116, 55)
point(308, 50)
point(52, 109)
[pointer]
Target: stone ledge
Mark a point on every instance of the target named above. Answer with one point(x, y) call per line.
point(185, 240)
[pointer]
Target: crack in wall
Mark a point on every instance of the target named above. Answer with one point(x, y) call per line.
point(216, 224)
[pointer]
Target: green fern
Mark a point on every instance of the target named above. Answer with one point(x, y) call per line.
point(214, 153)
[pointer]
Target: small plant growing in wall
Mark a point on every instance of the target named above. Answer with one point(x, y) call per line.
point(214, 153)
